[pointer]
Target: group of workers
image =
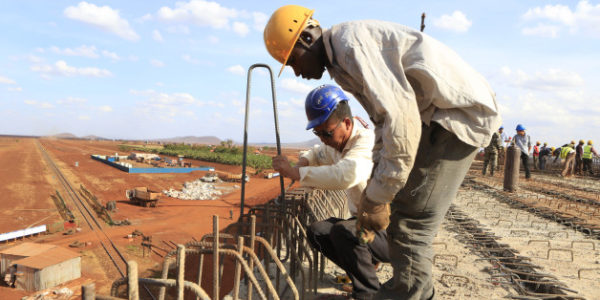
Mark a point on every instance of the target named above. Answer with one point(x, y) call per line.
point(575, 159)
point(431, 112)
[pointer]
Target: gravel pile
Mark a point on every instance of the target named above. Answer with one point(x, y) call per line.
point(195, 190)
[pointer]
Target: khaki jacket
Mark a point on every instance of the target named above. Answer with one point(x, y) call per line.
point(347, 170)
point(404, 78)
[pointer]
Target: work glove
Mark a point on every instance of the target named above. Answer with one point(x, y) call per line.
point(371, 217)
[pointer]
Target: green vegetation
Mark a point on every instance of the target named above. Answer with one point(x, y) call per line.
point(225, 154)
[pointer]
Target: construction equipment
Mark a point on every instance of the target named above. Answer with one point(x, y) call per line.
point(142, 196)
point(210, 177)
point(225, 176)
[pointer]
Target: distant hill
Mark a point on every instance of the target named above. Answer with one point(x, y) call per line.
point(93, 138)
point(208, 140)
point(64, 135)
point(299, 145)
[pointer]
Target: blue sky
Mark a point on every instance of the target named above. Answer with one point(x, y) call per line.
point(156, 69)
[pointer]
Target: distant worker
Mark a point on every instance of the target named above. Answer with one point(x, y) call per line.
point(491, 153)
point(504, 140)
point(588, 154)
point(579, 157)
point(431, 112)
point(536, 154)
point(523, 142)
point(567, 156)
point(545, 152)
point(342, 162)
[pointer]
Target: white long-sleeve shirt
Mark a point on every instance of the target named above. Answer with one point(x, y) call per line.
point(403, 78)
point(347, 170)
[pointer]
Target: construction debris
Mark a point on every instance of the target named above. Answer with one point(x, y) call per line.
point(195, 190)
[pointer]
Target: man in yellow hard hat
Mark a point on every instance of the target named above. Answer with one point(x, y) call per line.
point(588, 154)
point(432, 111)
point(578, 157)
point(567, 157)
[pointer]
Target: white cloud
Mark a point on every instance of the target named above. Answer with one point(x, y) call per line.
point(103, 17)
point(260, 20)
point(190, 59)
point(6, 80)
point(558, 13)
point(584, 19)
point(240, 28)
point(165, 106)
point(199, 12)
point(212, 14)
point(295, 86)
point(237, 70)
point(297, 102)
point(541, 30)
point(15, 89)
point(83, 117)
point(178, 29)
point(72, 101)
point(165, 98)
point(157, 36)
point(44, 105)
point(213, 39)
point(110, 55)
point(144, 18)
point(105, 108)
point(83, 50)
point(35, 59)
point(456, 22)
point(60, 68)
point(550, 79)
point(157, 63)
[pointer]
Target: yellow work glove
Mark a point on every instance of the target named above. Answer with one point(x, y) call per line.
point(371, 217)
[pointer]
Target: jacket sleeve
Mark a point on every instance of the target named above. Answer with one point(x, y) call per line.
point(391, 104)
point(353, 168)
point(311, 155)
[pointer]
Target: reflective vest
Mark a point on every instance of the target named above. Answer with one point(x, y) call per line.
point(587, 152)
point(565, 151)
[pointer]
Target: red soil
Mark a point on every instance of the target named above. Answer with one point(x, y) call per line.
point(28, 184)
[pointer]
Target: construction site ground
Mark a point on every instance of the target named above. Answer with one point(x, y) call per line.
point(28, 185)
point(568, 255)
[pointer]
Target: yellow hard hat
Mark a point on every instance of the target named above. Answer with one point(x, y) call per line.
point(581, 141)
point(537, 143)
point(283, 29)
point(545, 144)
point(573, 142)
point(552, 148)
point(590, 142)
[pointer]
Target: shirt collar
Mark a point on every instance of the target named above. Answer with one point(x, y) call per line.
point(353, 135)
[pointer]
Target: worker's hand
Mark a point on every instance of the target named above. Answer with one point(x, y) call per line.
point(282, 165)
point(372, 217)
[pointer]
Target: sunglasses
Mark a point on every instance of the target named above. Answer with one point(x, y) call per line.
point(326, 134)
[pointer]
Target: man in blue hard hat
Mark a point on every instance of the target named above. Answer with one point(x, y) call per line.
point(339, 163)
point(431, 111)
point(523, 142)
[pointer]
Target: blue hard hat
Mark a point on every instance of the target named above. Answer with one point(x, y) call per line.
point(321, 102)
point(501, 127)
point(520, 127)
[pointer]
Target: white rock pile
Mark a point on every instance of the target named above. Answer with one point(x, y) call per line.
point(195, 190)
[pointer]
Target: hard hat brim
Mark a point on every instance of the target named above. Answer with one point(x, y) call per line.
point(302, 26)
